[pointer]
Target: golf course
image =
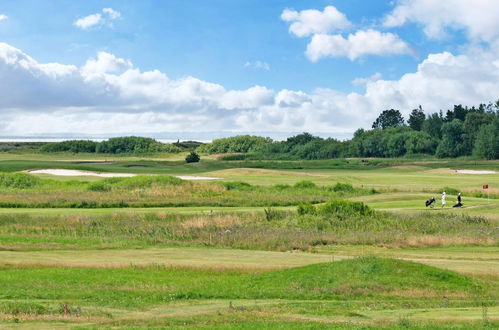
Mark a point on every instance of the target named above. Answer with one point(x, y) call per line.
point(150, 241)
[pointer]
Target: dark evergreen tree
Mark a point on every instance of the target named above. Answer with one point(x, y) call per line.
point(389, 118)
point(416, 119)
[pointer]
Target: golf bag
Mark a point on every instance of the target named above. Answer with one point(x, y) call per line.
point(430, 202)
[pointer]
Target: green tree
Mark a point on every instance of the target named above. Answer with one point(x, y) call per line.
point(433, 125)
point(193, 157)
point(416, 119)
point(451, 144)
point(472, 124)
point(487, 141)
point(419, 142)
point(389, 118)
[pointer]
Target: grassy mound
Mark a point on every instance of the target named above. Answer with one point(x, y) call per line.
point(367, 276)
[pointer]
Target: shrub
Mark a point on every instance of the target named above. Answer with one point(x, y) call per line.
point(236, 185)
point(306, 208)
point(305, 184)
point(193, 157)
point(134, 144)
point(344, 208)
point(344, 187)
point(75, 146)
point(240, 143)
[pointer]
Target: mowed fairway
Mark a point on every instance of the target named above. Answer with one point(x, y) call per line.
point(243, 266)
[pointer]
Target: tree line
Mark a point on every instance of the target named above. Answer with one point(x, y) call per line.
point(118, 145)
point(461, 131)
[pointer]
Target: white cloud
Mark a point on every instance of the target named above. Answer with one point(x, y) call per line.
point(108, 95)
point(88, 21)
point(361, 43)
point(257, 65)
point(113, 14)
point(97, 19)
point(105, 63)
point(364, 80)
point(320, 25)
point(478, 18)
point(3, 17)
point(311, 21)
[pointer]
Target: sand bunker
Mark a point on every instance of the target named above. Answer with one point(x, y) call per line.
point(190, 177)
point(475, 172)
point(61, 172)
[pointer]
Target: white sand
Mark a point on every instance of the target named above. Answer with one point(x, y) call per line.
point(61, 172)
point(189, 177)
point(475, 172)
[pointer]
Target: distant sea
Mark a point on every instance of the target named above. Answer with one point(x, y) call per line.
point(99, 139)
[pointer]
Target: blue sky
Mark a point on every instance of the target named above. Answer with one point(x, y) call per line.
point(244, 59)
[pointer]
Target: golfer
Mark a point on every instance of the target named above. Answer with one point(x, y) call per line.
point(459, 204)
point(443, 199)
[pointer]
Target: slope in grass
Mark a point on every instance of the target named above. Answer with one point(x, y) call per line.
point(362, 278)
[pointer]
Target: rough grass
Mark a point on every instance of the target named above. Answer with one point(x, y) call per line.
point(21, 190)
point(271, 230)
point(367, 278)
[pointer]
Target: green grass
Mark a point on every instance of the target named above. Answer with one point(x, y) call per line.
point(212, 258)
point(276, 230)
point(368, 278)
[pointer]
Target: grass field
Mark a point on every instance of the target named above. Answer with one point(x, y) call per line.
point(158, 252)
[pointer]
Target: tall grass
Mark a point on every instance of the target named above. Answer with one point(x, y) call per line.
point(270, 230)
point(23, 190)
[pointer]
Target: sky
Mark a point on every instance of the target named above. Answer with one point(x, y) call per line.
point(224, 67)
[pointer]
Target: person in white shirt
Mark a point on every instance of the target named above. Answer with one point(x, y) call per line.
point(443, 199)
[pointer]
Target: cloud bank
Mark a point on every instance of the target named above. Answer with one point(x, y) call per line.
point(109, 95)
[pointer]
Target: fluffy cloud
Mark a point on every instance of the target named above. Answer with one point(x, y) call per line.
point(88, 21)
point(477, 17)
point(97, 19)
point(319, 25)
point(311, 21)
point(361, 43)
point(3, 17)
point(107, 95)
point(105, 63)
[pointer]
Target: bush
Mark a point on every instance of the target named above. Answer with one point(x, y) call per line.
point(134, 144)
point(240, 143)
point(193, 157)
point(236, 185)
point(344, 208)
point(75, 146)
point(305, 184)
point(344, 187)
point(306, 208)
